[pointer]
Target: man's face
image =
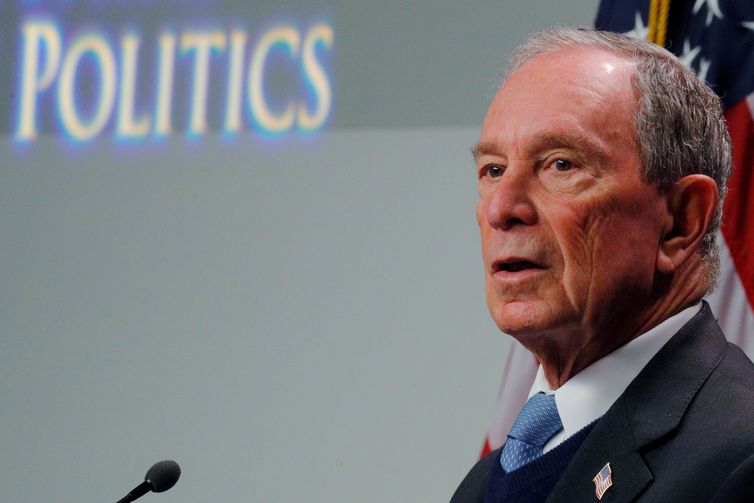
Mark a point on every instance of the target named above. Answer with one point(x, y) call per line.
point(570, 231)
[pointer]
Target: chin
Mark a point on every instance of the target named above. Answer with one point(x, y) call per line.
point(522, 318)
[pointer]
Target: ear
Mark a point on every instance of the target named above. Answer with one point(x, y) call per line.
point(692, 202)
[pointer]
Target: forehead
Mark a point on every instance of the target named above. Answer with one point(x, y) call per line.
point(579, 92)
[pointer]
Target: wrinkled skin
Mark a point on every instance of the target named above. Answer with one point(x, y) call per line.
point(571, 233)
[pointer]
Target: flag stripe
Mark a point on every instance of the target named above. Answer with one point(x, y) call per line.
point(730, 305)
point(738, 216)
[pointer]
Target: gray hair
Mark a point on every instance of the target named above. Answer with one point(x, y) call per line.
point(680, 128)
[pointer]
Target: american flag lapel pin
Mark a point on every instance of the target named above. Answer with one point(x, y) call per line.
point(602, 481)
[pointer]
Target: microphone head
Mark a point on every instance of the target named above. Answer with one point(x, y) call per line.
point(163, 475)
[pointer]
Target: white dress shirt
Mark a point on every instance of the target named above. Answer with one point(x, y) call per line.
point(587, 395)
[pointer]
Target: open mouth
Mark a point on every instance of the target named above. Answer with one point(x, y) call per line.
point(515, 266)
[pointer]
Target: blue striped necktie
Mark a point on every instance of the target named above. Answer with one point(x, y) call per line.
point(537, 423)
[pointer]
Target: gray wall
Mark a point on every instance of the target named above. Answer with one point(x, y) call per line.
point(291, 319)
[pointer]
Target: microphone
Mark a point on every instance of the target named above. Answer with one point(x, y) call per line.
point(162, 476)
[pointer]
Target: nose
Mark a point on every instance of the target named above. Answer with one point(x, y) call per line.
point(509, 204)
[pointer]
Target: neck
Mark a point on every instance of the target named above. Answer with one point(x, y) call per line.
point(566, 351)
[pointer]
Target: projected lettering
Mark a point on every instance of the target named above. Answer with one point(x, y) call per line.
point(94, 84)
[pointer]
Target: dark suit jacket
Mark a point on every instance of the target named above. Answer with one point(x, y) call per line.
point(683, 431)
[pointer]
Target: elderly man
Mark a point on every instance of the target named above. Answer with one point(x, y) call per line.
point(601, 167)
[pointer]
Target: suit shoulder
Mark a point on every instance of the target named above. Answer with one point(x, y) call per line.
point(474, 484)
point(738, 368)
point(724, 407)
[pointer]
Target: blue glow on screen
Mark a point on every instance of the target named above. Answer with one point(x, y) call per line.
point(192, 77)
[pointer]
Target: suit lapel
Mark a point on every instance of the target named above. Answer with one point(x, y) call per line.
point(611, 441)
point(651, 407)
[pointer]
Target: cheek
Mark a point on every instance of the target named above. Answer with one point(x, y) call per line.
point(575, 236)
point(633, 235)
point(609, 250)
point(633, 242)
point(592, 239)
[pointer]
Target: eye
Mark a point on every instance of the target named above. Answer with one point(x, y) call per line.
point(493, 171)
point(562, 165)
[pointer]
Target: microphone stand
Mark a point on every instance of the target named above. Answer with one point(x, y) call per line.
point(136, 493)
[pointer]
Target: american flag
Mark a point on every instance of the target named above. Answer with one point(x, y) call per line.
point(603, 481)
point(715, 38)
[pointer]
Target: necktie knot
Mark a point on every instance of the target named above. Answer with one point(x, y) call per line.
point(537, 423)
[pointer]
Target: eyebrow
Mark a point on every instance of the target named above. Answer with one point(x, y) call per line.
point(543, 141)
point(483, 148)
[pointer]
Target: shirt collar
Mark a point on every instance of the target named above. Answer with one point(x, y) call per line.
point(587, 395)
